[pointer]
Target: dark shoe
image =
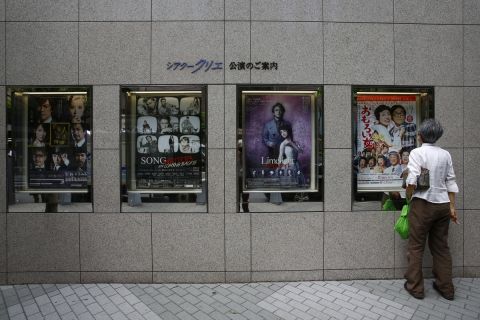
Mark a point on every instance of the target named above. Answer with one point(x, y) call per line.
point(419, 296)
point(445, 296)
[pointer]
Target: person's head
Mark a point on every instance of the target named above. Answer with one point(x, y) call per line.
point(382, 114)
point(384, 149)
point(56, 159)
point(40, 132)
point(372, 162)
point(394, 158)
point(164, 123)
point(430, 131)
point(362, 163)
point(398, 114)
point(278, 110)
point(149, 138)
point(78, 132)
point(381, 161)
point(404, 156)
point(151, 102)
point(39, 157)
point(286, 131)
point(76, 107)
point(80, 159)
point(163, 101)
point(44, 109)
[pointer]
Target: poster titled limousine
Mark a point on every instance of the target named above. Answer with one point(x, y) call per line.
point(278, 141)
point(58, 137)
point(167, 137)
point(386, 133)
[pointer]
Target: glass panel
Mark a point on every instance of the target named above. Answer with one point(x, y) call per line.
point(163, 137)
point(280, 148)
point(385, 122)
point(49, 149)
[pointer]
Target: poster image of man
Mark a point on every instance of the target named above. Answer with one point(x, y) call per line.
point(189, 144)
point(278, 142)
point(271, 130)
point(60, 161)
point(39, 159)
point(168, 106)
point(147, 144)
point(147, 106)
point(80, 161)
point(146, 125)
point(189, 124)
point(168, 144)
point(79, 135)
point(190, 106)
point(45, 109)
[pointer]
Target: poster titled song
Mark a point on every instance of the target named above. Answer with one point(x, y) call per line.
point(386, 133)
point(278, 141)
point(58, 142)
point(168, 147)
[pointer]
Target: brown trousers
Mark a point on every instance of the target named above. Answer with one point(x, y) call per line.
point(432, 219)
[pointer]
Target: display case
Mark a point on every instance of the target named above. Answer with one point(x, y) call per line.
point(385, 122)
point(281, 145)
point(49, 148)
point(163, 146)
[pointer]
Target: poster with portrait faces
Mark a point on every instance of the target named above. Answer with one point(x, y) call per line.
point(168, 147)
point(58, 137)
point(386, 133)
point(278, 142)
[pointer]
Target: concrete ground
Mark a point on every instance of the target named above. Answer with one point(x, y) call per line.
point(358, 299)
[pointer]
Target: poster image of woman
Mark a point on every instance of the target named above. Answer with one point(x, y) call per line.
point(146, 125)
point(147, 144)
point(41, 135)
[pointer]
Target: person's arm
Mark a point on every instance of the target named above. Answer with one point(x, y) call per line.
point(265, 135)
point(409, 191)
point(453, 212)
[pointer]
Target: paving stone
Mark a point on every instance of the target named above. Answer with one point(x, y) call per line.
point(348, 300)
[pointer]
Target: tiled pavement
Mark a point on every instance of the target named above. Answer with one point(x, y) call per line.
point(359, 299)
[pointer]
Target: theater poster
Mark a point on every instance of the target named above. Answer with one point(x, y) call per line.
point(386, 133)
point(58, 141)
point(167, 136)
point(279, 141)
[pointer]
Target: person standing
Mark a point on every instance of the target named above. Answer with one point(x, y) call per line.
point(430, 212)
point(271, 134)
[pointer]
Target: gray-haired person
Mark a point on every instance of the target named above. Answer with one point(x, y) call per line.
point(430, 212)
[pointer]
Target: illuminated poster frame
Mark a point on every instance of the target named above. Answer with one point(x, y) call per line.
point(382, 140)
point(279, 141)
point(165, 141)
point(51, 127)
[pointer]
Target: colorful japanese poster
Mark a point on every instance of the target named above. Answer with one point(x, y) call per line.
point(386, 133)
point(167, 137)
point(58, 142)
point(278, 142)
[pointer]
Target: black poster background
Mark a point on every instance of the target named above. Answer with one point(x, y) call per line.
point(168, 143)
point(58, 143)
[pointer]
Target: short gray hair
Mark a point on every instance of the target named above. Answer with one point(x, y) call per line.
point(430, 131)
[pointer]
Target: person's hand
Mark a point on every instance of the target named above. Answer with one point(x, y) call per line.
point(453, 216)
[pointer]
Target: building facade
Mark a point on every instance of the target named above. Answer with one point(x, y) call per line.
point(333, 45)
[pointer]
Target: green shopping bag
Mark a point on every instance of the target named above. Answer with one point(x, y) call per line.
point(401, 226)
point(388, 205)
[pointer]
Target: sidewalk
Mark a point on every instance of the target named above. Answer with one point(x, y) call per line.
point(358, 299)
